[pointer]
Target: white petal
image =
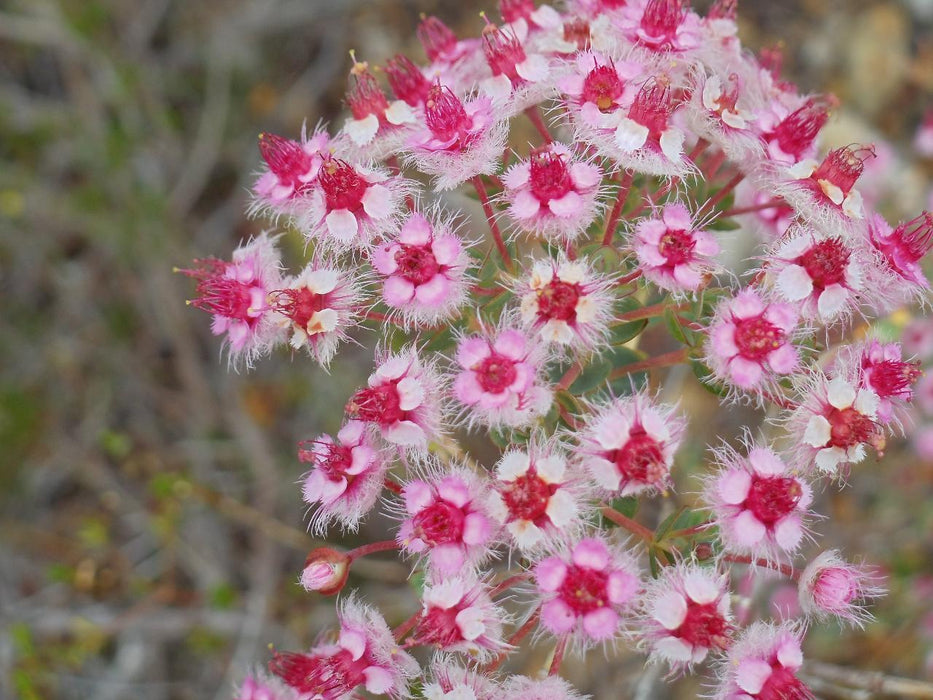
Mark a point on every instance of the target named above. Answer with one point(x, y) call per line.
point(832, 301)
point(669, 609)
point(377, 201)
point(840, 393)
point(672, 144)
point(410, 394)
point(630, 136)
point(513, 465)
point(362, 131)
point(829, 458)
point(399, 112)
point(794, 283)
point(342, 225)
point(818, 431)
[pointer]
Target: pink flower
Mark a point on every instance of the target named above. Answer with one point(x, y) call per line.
point(407, 80)
point(326, 571)
point(831, 587)
point(401, 400)
point(585, 590)
point(535, 497)
point(262, 687)
point(424, 270)
point(499, 380)
point(881, 369)
point(659, 25)
point(647, 140)
point(762, 665)
point(237, 294)
point(450, 681)
point(824, 275)
point(833, 424)
point(567, 304)
point(376, 126)
point(346, 476)
point(720, 111)
point(320, 306)
point(758, 503)
point(750, 341)
point(685, 614)
point(291, 168)
point(899, 252)
point(365, 655)
point(791, 137)
point(447, 520)
point(520, 78)
point(598, 91)
point(349, 205)
point(457, 140)
point(457, 63)
point(825, 192)
point(551, 688)
point(628, 445)
point(553, 194)
point(672, 252)
point(772, 222)
point(459, 616)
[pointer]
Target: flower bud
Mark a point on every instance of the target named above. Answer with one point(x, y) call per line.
point(325, 571)
point(831, 586)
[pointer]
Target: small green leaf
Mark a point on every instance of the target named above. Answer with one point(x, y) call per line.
point(624, 332)
point(592, 377)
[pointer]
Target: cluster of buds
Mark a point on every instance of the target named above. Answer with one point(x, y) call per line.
point(656, 139)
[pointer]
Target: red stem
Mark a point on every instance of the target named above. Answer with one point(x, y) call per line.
point(490, 218)
point(630, 277)
point(508, 583)
point(721, 195)
point(650, 311)
point(558, 656)
point(393, 486)
point(517, 637)
point(624, 188)
point(371, 548)
point(406, 627)
point(610, 513)
point(786, 569)
point(701, 146)
point(569, 376)
point(668, 359)
point(534, 114)
point(776, 202)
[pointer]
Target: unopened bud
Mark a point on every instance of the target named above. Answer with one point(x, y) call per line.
point(325, 571)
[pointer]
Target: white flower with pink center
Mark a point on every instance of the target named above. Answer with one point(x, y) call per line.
point(456, 140)
point(629, 443)
point(832, 587)
point(347, 206)
point(237, 294)
point(598, 92)
point(824, 275)
point(262, 687)
point(521, 77)
point(566, 304)
point(686, 614)
point(750, 341)
point(450, 681)
point(586, 588)
point(424, 270)
point(553, 194)
point(447, 520)
point(550, 688)
point(346, 476)
point(365, 655)
point(672, 252)
point(660, 25)
point(499, 381)
point(758, 503)
point(834, 423)
point(825, 192)
point(376, 126)
point(763, 665)
point(535, 496)
point(291, 168)
point(719, 110)
point(882, 369)
point(319, 306)
point(647, 139)
point(459, 616)
point(401, 400)
point(897, 277)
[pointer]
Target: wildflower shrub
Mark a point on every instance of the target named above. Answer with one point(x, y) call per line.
point(659, 140)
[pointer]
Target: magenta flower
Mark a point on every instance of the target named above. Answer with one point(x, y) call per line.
point(320, 306)
point(424, 270)
point(457, 140)
point(401, 400)
point(365, 654)
point(553, 194)
point(825, 192)
point(672, 252)
point(898, 252)
point(535, 497)
point(458, 63)
point(376, 126)
point(628, 445)
point(346, 476)
point(237, 294)
point(498, 383)
point(750, 341)
point(659, 25)
point(447, 520)
point(685, 615)
point(586, 589)
point(762, 665)
point(647, 139)
point(598, 91)
point(831, 587)
point(790, 136)
point(520, 78)
point(459, 616)
point(758, 503)
point(883, 371)
point(291, 169)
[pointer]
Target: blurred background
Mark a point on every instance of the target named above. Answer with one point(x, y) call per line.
point(151, 526)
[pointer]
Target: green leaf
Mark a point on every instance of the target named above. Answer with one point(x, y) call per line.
point(628, 506)
point(592, 377)
point(673, 325)
point(624, 332)
point(704, 374)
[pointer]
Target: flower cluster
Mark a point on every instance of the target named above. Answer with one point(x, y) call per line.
point(661, 145)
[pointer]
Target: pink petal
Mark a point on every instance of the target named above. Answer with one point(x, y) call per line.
point(591, 554)
point(454, 490)
point(378, 680)
point(722, 340)
point(557, 616)
point(472, 351)
point(511, 343)
point(746, 304)
point(377, 201)
point(383, 258)
point(568, 206)
point(677, 217)
point(524, 205)
point(397, 291)
point(446, 249)
point(550, 573)
point(747, 530)
point(467, 389)
point(745, 374)
point(416, 231)
point(476, 530)
point(784, 360)
point(433, 293)
point(621, 587)
point(733, 486)
point(601, 623)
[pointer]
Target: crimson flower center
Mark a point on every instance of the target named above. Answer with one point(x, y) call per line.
point(757, 337)
point(782, 684)
point(842, 168)
point(640, 459)
point(677, 246)
point(602, 86)
point(439, 523)
point(770, 498)
point(798, 130)
point(558, 300)
point(365, 97)
point(826, 263)
point(343, 186)
point(651, 109)
point(439, 626)
point(849, 428)
point(321, 676)
point(445, 115)
point(584, 590)
point(286, 158)
point(893, 378)
point(661, 19)
point(417, 264)
point(704, 627)
point(222, 295)
point(577, 31)
point(495, 373)
point(527, 497)
point(377, 404)
point(503, 53)
point(550, 177)
point(299, 305)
